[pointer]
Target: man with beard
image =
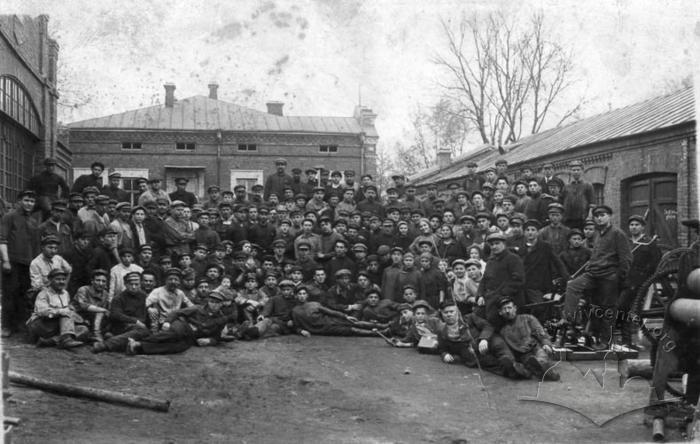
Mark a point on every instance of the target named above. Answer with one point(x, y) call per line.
point(370, 202)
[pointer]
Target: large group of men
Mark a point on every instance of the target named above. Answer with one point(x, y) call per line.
point(160, 272)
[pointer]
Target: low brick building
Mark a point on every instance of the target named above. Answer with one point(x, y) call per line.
point(28, 97)
point(641, 159)
point(211, 141)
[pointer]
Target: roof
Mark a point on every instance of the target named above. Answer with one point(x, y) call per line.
point(202, 113)
point(457, 166)
point(666, 111)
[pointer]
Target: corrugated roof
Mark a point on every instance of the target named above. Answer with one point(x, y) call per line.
point(203, 113)
point(651, 115)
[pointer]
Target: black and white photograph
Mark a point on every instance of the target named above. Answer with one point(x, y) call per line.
point(349, 221)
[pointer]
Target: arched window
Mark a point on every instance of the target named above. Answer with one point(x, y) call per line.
point(16, 103)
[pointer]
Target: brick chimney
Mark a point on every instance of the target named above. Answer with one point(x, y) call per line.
point(444, 157)
point(169, 94)
point(213, 87)
point(275, 108)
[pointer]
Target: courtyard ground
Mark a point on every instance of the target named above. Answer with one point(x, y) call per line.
point(320, 389)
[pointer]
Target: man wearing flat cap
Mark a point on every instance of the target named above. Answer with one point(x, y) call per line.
point(345, 296)
point(48, 187)
point(54, 319)
point(606, 273)
point(163, 300)
point(179, 233)
point(370, 202)
point(92, 302)
point(154, 192)
point(472, 181)
point(45, 262)
point(578, 197)
point(555, 233)
point(504, 275)
point(275, 183)
point(113, 190)
point(55, 226)
point(182, 194)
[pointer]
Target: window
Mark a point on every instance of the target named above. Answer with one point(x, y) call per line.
point(131, 145)
point(16, 102)
point(328, 149)
point(599, 193)
point(184, 146)
point(247, 147)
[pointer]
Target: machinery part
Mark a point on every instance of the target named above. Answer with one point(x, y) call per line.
point(657, 433)
point(686, 311)
point(652, 298)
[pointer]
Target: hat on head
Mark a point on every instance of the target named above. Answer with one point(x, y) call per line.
point(548, 165)
point(350, 173)
point(602, 209)
point(531, 223)
point(517, 218)
point(574, 163)
point(474, 262)
point(484, 215)
point(90, 190)
point(638, 218)
point(181, 180)
point(213, 188)
point(59, 205)
point(56, 272)
point(141, 180)
point(495, 237)
point(280, 161)
point(459, 262)
point(285, 283)
point(359, 247)
point(50, 239)
point(125, 250)
point(488, 185)
point(76, 196)
point(153, 179)
point(178, 203)
point(555, 208)
point(216, 295)
point(422, 303)
point(384, 249)
point(573, 232)
point(403, 306)
point(310, 171)
point(99, 272)
point(504, 300)
point(121, 205)
point(115, 175)
point(343, 272)
point(172, 271)
point(296, 170)
point(395, 249)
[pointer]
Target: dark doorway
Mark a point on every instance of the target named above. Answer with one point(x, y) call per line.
point(653, 196)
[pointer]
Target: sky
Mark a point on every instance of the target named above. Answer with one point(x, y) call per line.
point(321, 57)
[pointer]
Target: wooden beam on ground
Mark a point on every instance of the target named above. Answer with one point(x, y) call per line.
point(91, 393)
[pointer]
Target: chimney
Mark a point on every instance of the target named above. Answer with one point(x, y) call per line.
point(169, 94)
point(275, 108)
point(213, 86)
point(444, 158)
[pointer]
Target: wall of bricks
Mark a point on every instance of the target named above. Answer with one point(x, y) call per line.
point(158, 149)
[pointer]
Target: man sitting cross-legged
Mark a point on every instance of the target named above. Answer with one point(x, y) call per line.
point(472, 340)
point(527, 340)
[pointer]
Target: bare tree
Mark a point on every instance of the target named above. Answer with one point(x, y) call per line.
point(505, 76)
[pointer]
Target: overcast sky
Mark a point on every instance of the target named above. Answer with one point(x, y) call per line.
point(316, 55)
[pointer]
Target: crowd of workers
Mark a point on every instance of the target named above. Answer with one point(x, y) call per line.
point(473, 266)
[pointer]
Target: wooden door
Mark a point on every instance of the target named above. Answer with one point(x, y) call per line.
point(655, 198)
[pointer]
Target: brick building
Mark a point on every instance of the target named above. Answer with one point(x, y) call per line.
point(211, 141)
point(28, 96)
point(641, 159)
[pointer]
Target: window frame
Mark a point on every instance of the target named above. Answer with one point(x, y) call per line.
point(328, 149)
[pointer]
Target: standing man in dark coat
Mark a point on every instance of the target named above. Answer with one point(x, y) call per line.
point(504, 276)
point(114, 191)
point(182, 194)
point(48, 187)
point(275, 183)
point(473, 181)
point(19, 245)
point(578, 197)
point(94, 179)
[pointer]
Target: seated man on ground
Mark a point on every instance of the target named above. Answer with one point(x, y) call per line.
point(527, 340)
point(313, 318)
point(165, 299)
point(472, 340)
point(423, 323)
point(128, 316)
point(54, 320)
point(276, 316)
point(380, 311)
point(188, 326)
point(92, 302)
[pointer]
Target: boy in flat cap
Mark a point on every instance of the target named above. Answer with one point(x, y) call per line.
point(45, 262)
point(117, 273)
point(113, 190)
point(555, 233)
point(92, 302)
point(578, 197)
point(54, 321)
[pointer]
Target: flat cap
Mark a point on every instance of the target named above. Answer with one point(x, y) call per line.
point(602, 209)
point(56, 272)
point(495, 237)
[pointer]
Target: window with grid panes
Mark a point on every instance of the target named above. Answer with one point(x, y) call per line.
point(247, 147)
point(328, 149)
point(131, 146)
point(182, 146)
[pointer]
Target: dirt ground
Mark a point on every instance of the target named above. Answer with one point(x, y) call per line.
point(321, 389)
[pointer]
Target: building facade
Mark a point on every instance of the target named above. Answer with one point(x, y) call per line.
point(28, 100)
point(213, 142)
point(641, 159)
